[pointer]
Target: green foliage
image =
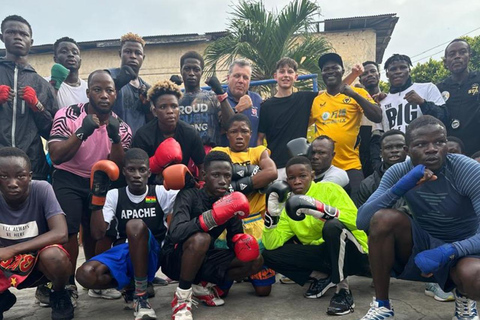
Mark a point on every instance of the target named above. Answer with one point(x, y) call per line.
point(384, 86)
point(265, 37)
point(430, 71)
point(434, 71)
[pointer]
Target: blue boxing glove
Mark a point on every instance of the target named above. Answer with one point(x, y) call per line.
point(409, 181)
point(429, 261)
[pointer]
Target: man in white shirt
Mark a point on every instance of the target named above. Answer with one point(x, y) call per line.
point(407, 100)
point(72, 90)
point(321, 153)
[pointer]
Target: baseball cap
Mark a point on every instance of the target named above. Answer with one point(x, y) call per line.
point(329, 57)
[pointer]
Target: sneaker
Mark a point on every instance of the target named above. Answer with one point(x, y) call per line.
point(108, 294)
point(433, 290)
point(182, 304)
point(142, 308)
point(318, 288)
point(378, 313)
point(157, 281)
point(42, 295)
point(150, 290)
point(7, 300)
point(128, 297)
point(465, 309)
point(341, 303)
point(62, 308)
point(286, 280)
point(220, 292)
point(72, 291)
point(207, 295)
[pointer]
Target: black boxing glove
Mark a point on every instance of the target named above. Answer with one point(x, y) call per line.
point(113, 129)
point(298, 206)
point(87, 128)
point(176, 79)
point(123, 76)
point(244, 185)
point(297, 147)
point(239, 171)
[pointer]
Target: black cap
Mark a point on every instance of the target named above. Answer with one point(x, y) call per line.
point(329, 57)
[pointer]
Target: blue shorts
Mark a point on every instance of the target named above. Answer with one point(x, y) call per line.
point(264, 278)
point(117, 259)
point(422, 241)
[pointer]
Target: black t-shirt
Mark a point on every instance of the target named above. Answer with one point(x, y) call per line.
point(284, 119)
point(189, 205)
point(463, 104)
point(149, 138)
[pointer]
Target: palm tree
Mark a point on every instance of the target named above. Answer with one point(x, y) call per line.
point(265, 37)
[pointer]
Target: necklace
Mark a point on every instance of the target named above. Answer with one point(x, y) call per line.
point(74, 84)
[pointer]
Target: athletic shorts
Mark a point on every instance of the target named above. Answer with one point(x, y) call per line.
point(20, 272)
point(118, 261)
point(73, 193)
point(264, 278)
point(422, 241)
point(253, 225)
point(214, 267)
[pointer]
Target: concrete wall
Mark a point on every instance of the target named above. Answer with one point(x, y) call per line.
point(353, 46)
point(164, 60)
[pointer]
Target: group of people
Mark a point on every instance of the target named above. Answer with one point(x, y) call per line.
point(216, 186)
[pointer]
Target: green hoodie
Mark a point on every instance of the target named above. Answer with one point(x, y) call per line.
point(309, 230)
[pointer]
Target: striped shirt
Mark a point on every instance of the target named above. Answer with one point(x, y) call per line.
point(447, 208)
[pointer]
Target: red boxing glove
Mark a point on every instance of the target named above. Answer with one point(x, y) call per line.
point(234, 204)
point(4, 93)
point(30, 97)
point(103, 173)
point(246, 247)
point(168, 152)
point(177, 176)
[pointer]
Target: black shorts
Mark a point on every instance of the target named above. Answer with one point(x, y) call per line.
point(422, 241)
point(214, 268)
point(73, 194)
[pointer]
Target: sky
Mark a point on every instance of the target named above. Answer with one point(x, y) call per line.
point(422, 31)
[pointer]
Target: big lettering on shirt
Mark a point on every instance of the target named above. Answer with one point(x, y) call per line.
point(400, 115)
point(138, 214)
point(196, 115)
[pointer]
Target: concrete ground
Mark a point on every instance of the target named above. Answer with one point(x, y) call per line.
point(285, 302)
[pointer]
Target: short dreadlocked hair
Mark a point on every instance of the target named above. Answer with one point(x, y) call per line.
point(163, 87)
point(132, 37)
point(397, 57)
point(63, 39)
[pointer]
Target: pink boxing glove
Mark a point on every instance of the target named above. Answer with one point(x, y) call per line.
point(246, 247)
point(167, 153)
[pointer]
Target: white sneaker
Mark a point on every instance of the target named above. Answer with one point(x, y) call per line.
point(109, 294)
point(378, 313)
point(142, 308)
point(465, 309)
point(207, 295)
point(182, 304)
point(433, 290)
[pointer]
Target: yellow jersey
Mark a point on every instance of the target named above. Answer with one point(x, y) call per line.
point(339, 118)
point(251, 156)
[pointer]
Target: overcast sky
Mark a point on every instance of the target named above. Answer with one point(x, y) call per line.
point(423, 24)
